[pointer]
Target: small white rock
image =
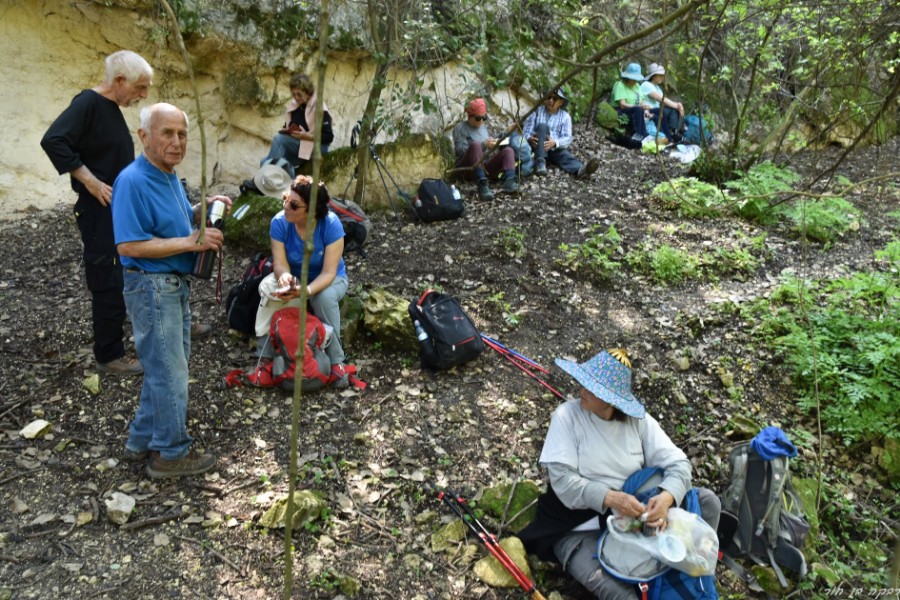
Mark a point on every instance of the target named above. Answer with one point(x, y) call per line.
point(119, 507)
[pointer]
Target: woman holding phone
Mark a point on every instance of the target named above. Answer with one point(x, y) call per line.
point(327, 277)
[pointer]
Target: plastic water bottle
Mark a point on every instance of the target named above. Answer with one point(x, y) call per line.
point(421, 334)
point(455, 192)
point(425, 345)
point(418, 202)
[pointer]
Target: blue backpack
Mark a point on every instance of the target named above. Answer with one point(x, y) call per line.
point(666, 583)
point(697, 130)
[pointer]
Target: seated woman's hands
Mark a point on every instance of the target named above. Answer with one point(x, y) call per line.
point(623, 504)
point(288, 287)
point(657, 508)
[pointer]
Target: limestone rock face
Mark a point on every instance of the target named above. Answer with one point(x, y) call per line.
point(53, 49)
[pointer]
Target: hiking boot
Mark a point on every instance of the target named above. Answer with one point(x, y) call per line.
point(134, 455)
point(200, 330)
point(192, 463)
point(342, 377)
point(510, 186)
point(121, 366)
point(540, 168)
point(587, 170)
point(484, 190)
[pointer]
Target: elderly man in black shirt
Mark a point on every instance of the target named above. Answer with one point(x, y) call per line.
point(91, 142)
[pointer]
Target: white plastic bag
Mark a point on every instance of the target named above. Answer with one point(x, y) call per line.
point(688, 544)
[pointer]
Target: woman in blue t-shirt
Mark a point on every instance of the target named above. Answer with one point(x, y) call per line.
point(327, 274)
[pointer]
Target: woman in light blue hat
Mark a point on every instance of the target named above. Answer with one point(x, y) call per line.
point(593, 445)
point(672, 122)
point(629, 101)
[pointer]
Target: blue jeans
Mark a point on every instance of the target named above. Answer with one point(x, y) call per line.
point(161, 321)
point(560, 157)
point(671, 123)
point(284, 146)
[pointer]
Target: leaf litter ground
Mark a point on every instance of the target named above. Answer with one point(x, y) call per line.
point(371, 453)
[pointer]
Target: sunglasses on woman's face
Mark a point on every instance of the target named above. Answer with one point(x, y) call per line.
point(295, 205)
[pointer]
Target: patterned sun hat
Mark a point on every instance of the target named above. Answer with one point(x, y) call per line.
point(607, 376)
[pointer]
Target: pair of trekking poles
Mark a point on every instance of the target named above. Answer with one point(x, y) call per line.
point(461, 508)
point(523, 363)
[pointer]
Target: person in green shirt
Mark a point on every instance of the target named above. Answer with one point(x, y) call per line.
point(629, 101)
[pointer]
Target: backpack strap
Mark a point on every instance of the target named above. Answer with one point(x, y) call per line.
point(778, 473)
point(746, 576)
point(774, 564)
point(738, 479)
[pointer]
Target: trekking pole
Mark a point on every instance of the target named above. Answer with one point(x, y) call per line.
point(512, 359)
point(461, 507)
point(514, 353)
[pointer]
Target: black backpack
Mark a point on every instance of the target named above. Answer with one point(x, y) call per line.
point(435, 201)
point(356, 224)
point(452, 338)
point(765, 513)
point(243, 299)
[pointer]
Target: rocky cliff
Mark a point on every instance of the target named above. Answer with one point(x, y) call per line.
point(52, 49)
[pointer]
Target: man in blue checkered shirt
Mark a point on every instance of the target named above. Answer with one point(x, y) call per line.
point(549, 131)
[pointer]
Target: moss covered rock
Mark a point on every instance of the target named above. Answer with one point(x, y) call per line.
point(308, 506)
point(386, 318)
point(494, 501)
point(490, 571)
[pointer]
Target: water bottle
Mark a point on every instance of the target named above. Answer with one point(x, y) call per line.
point(425, 344)
point(455, 192)
point(421, 334)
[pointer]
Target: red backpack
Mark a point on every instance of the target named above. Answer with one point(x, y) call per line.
point(285, 335)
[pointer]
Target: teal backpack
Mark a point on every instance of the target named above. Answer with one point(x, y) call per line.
point(697, 130)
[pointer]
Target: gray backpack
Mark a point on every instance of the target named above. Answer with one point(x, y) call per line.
point(769, 525)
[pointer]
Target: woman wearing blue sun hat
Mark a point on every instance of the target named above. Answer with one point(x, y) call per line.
point(594, 444)
point(628, 99)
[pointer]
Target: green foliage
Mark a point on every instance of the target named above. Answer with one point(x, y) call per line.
point(511, 317)
point(713, 166)
point(690, 197)
point(758, 191)
point(665, 264)
point(890, 254)
point(593, 257)
point(511, 241)
point(842, 342)
point(825, 219)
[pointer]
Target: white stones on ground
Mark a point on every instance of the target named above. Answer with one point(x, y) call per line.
point(119, 507)
point(35, 429)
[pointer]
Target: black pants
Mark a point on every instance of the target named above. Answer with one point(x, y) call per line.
point(103, 273)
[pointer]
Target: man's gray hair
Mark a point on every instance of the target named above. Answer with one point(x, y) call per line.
point(148, 111)
point(129, 64)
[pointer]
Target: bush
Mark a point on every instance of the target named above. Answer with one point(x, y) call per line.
point(664, 264)
point(593, 257)
point(757, 188)
point(823, 220)
point(690, 197)
point(847, 348)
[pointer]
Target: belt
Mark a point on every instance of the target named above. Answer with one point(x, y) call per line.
point(143, 272)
